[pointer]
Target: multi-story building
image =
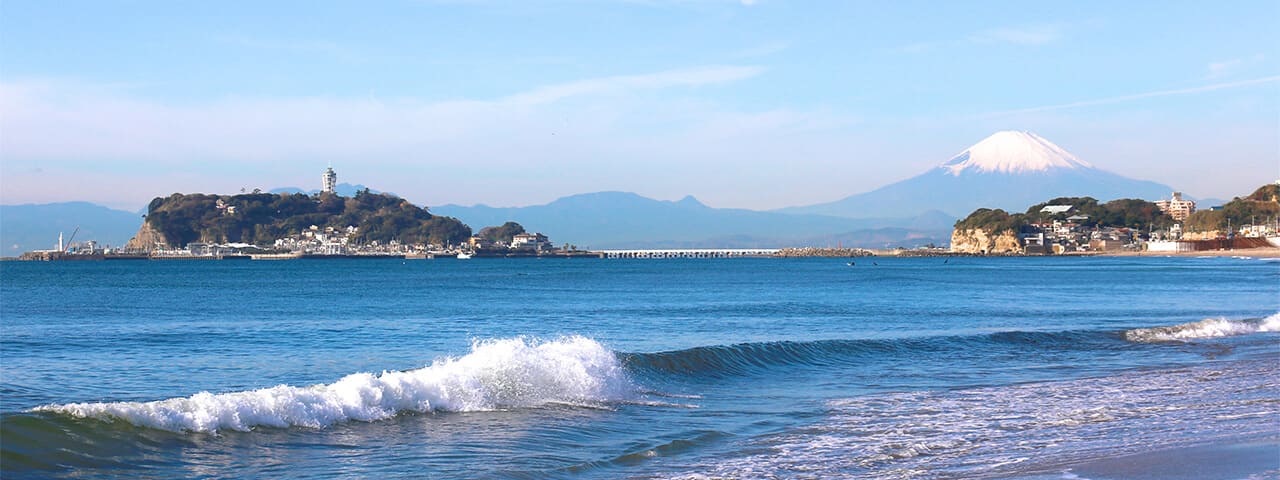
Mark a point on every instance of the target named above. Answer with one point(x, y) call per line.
point(1177, 208)
point(536, 241)
point(330, 180)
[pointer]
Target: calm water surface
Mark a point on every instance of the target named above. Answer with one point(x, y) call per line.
point(906, 368)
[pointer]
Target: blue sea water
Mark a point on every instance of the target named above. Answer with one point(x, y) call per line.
point(526, 368)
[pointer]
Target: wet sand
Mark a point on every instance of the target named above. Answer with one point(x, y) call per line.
point(1258, 459)
point(1271, 252)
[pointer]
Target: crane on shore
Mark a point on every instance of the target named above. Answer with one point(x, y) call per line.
point(67, 247)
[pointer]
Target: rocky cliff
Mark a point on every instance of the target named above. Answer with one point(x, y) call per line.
point(981, 241)
point(147, 238)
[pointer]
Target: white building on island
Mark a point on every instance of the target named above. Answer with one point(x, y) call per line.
point(330, 181)
point(536, 241)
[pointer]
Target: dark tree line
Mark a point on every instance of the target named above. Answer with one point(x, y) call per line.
point(1125, 212)
point(502, 234)
point(1262, 206)
point(261, 218)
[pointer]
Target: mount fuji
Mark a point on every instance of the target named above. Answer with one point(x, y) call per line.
point(1009, 170)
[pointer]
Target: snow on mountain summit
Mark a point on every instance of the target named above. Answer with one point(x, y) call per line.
point(1013, 152)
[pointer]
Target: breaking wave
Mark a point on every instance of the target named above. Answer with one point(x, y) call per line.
point(496, 374)
point(746, 358)
point(525, 373)
point(1207, 328)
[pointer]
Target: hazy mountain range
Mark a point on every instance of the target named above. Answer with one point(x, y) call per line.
point(36, 227)
point(627, 220)
point(1008, 170)
point(343, 189)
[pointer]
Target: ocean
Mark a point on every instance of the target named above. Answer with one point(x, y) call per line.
point(897, 368)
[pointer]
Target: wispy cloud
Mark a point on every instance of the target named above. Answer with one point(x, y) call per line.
point(761, 50)
point(1020, 35)
point(62, 120)
point(406, 145)
point(1231, 67)
point(918, 47)
point(305, 47)
point(744, 3)
point(690, 77)
point(1137, 96)
point(1025, 35)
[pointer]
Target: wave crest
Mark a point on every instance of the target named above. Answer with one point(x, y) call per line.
point(747, 358)
point(496, 374)
point(1207, 328)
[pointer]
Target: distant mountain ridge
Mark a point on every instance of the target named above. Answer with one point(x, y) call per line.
point(594, 220)
point(343, 189)
point(1007, 170)
point(36, 226)
point(628, 220)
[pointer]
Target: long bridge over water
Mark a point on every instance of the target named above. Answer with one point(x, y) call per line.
point(691, 253)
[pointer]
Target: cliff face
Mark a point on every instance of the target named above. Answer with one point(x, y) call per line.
point(1209, 235)
point(977, 240)
point(147, 238)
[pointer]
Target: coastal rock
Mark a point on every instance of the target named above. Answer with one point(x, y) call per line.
point(1206, 235)
point(980, 241)
point(147, 239)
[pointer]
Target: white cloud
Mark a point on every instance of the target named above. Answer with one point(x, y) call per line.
point(761, 50)
point(1137, 96)
point(918, 47)
point(1023, 35)
point(1221, 69)
point(691, 77)
point(524, 148)
point(63, 120)
point(1231, 67)
point(323, 48)
point(1028, 35)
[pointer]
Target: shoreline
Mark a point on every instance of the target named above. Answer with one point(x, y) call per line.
point(1264, 252)
point(1225, 458)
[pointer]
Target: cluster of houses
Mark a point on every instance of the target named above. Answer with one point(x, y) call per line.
point(535, 242)
point(1058, 237)
point(330, 241)
point(1071, 235)
point(337, 241)
point(314, 241)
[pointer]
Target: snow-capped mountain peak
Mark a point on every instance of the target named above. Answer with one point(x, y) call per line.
point(1013, 152)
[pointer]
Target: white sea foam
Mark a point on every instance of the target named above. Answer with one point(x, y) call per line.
point(1011, 431)
point(1207, 328)
point(496, 374)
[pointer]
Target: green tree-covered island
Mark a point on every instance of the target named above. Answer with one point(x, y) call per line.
point(267, 219)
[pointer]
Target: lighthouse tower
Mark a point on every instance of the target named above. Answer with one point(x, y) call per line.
point(330, 181)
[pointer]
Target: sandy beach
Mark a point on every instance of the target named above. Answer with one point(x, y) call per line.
point(1250, 459)
point(1271, 252)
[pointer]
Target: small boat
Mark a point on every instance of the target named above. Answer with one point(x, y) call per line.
point(464, 256)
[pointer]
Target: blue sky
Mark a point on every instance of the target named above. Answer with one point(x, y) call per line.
point(759, 104)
